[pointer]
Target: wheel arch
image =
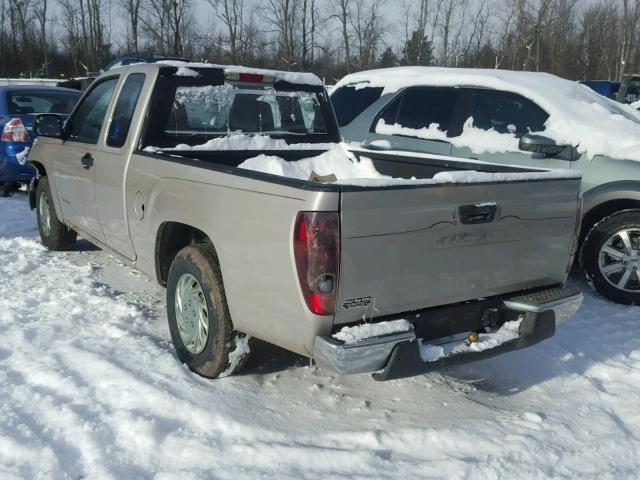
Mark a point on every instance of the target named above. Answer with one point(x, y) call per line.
point(172, 237)
point(41, 171)
point(607, 199)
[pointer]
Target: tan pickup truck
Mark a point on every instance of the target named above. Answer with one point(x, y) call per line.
point(387, 276)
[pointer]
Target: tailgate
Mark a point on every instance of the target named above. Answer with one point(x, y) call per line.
point(412, 248)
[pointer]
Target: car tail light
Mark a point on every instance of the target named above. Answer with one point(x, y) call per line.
point(14, 131)
point(316, 246)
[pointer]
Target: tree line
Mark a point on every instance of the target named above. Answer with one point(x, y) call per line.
point(576, 39)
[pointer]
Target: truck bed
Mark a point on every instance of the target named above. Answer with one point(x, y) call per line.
point(415, 246)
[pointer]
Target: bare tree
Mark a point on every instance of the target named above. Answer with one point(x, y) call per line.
point(167, 24)
point(628, 33)
point(343, 16)
point(132, 8)
point(40, 13)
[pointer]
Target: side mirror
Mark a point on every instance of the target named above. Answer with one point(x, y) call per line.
point(48, 125)
point(547, 147)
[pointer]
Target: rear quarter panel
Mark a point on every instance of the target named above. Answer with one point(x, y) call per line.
point(250, 223)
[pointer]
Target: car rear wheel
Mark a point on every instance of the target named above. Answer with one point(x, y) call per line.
point(199, 319)
point(611, 257)
point(54, 234)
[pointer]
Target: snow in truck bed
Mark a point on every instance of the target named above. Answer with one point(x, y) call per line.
point(92, 389)
point(577, 115)
point(339, 161)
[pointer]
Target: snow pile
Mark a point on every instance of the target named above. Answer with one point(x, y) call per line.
point(241, 141)
point(350, 335)
point(350, 170)
point(238, 354)
point(478, 140)
point(339, 161)
point(578, 116)
point(186, 72)
point(335, 161)
point(508, 331)
point(92, 389)
point(300, 78)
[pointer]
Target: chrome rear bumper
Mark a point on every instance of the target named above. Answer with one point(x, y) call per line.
point(397, 355)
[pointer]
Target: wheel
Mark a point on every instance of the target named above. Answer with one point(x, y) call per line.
point(54, 234)
point(611, 257)
point(199, 320)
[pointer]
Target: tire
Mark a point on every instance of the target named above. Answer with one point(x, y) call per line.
point(610, 257)
point(208, 344)
point(54, 234)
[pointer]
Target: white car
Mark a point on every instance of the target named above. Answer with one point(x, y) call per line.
point(516, 118)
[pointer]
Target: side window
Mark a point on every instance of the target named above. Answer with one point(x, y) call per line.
point(123, 111)
point(86, 122)
point(505, 112)
point(421, 107)
point(349, 102)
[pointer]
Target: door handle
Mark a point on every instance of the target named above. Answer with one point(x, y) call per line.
point(380, 145)
point(474, 214)
point(87, 161)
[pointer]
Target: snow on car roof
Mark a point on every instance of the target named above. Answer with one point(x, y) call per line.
point(577, 115)
point(300, 78)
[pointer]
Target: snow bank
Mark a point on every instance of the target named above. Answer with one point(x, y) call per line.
point(300, 78)
point(508, 331)
point(350, 335)
point(577, 115)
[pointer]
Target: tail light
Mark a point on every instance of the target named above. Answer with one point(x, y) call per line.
point(248, 77)
point(316, 246)
point(14, 131)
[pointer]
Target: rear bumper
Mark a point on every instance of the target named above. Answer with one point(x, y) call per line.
point(399, 355)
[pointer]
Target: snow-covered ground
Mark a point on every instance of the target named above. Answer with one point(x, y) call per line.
point(91, 388)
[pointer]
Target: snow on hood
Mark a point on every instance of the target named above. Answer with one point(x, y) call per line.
point(577, 115)
point(300, 78)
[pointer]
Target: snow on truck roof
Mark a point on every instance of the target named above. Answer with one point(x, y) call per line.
point(577, 115)
point(300, 78)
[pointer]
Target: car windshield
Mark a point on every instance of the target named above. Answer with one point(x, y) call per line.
point(25, 102)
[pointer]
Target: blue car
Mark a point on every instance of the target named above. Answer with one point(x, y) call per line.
point(18, 107)
point(606, 88)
